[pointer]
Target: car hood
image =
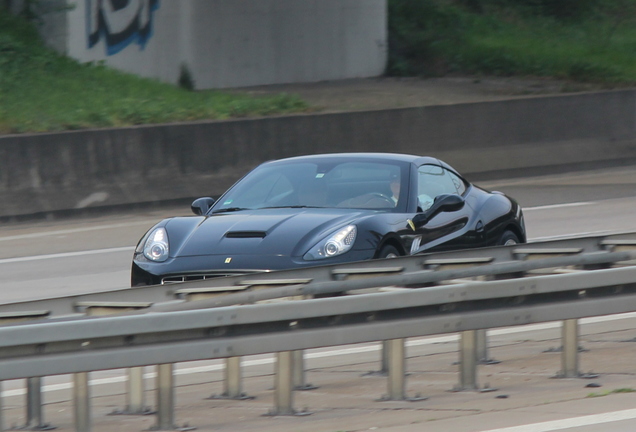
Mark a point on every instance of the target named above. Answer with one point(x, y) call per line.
point(288, 232)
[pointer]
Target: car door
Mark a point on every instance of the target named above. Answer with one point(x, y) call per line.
point(447, 229)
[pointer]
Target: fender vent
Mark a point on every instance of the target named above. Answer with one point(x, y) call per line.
point(246, 234)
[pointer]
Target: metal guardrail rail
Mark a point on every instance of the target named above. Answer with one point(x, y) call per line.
point(461, 291)
point(95, 343)
point(504, 261)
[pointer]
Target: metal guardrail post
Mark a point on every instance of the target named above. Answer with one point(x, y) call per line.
point(81, 402)
point(283, 391)
point(396, 364)
point(284, 386)
point(467, 361)
point(482, 348)
point(135, 392)
point(232, 381)
point(298, 371)
point(165, 400)
point(34, 414)
point(165, 397)
point(35, 418)
point(34, 406)
point(397, 368)
point(365, 273)
point(570, 353)
point(232, 376)
point(298, 356)
point(469, 356)
point(481, 345)
point(384, 359)
point(135, 384)
point(570, 349)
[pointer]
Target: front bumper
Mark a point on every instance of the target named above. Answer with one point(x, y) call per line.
point(182, 269)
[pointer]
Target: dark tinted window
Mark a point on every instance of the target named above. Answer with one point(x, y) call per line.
point(433, 180)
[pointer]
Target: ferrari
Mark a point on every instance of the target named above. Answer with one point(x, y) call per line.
point(327, 209)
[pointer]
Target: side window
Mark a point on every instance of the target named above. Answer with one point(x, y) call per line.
point(460, 185)
point(432, 181)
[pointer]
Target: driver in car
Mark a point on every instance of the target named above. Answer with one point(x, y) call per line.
point(395, 189)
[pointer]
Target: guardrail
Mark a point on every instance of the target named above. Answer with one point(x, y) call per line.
point(427, 268)
point(463, 291)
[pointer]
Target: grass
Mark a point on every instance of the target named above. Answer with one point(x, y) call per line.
point(598, 47)
point(580, 41)
point(41, 90)
point(565, 52)
point(609, 392)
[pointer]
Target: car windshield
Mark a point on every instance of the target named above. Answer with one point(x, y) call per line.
point(327, 183)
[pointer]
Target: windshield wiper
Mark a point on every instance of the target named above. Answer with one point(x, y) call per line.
point(229, 209)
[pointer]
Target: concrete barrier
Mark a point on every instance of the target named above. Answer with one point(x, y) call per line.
point(99, 169)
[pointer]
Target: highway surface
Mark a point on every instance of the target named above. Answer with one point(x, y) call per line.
point(93, 254)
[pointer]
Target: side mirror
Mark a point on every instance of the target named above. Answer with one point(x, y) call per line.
point(442, 203)
point(200, 206)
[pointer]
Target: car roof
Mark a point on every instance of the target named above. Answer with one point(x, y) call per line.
point(394, 157)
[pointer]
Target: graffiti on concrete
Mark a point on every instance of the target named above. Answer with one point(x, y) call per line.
point(119, 23)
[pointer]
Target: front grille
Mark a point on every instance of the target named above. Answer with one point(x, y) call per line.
point(202, 276)
point(193, 277)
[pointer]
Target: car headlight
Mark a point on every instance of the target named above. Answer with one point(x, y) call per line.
point(334, 245)
point(156, 247)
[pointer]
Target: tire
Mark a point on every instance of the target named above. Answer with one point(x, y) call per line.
point(389, 251)
point(508, 238)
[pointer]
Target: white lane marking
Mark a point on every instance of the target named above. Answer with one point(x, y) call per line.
point(576, 235)
point(573, 422)
point(74, 230)
point(330, 353)
point(553, 206)
point(67, 254)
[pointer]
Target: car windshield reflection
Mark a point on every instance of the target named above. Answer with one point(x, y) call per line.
point(339, 184)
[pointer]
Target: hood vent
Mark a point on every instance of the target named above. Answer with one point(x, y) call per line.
point(245, 234)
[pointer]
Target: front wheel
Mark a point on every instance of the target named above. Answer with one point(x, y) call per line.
point(508, 238)
point(388, 251)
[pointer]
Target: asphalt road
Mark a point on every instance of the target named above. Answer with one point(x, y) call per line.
point(93, 254)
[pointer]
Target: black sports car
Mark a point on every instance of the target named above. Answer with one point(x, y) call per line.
point(326, 209)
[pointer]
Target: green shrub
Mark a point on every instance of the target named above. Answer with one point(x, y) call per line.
point(581, 40)
point(418, 31)
point(185, 78)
